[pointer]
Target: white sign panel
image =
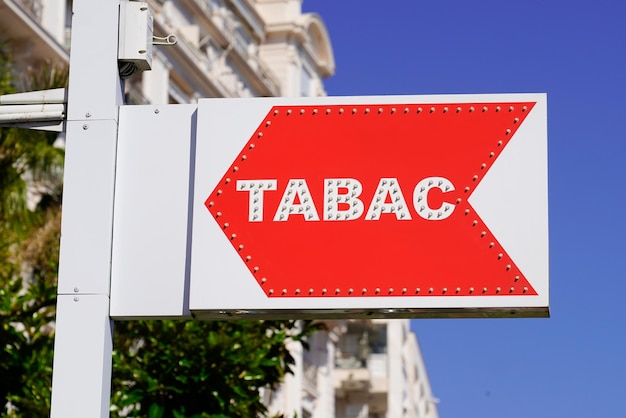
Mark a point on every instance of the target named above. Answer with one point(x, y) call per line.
point(372, 206)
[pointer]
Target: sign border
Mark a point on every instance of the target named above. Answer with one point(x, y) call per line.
point(222, 286)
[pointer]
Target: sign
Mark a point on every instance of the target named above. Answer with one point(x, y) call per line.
point(433, 205)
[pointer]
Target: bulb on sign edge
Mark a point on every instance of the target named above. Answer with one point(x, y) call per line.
point(403, 290)
point(515, 120)
point(211, 203)
point(235, 169)
point(432, 110)
point(393, 110)
point(406, 110)
point(516, 278)
point(508, 131)
point(500, 255)
point(471, 290)
point(445, 110)
point(337, 291)
point(458, 109)
point(350, 291)
point(367, 110)
point(483, 166)
point(500, 143)
point(315, 111)
point(419, 110)
point(475, 177)
point(288, 112)
point(227, 180)
point(485, 108)
point(467, 189)
point(444, 290)
point(226, 225)
point(458, 289)
point(498, 108)
point(484, 290)
point(302, 111)
point(491, 154)
point(297, 291)
point(363, 291)
point(268, 123)
point(491, 244)
point(260, 135)
point(512, 289)
point(417, 290)
point(328, 111)
point(263, 280)
point(508, 267)
point(218, 214)
point(483, 233)
point(311, 291)
point(377, 290)
point(511, 108)
point(390, 290)
point(276, 112)
point(324, 291)
point(341, 110)
point(256, 268)
point(271, 291)
point(353, 110)
point(241, 247)
point(284, 292)
point(524, 108)
point(467, 211)
point(248, 258)
point(475, 222)
point(498, 289)
point(233, 236)
point(244, 157)
point(431, 290)
point(525, 289)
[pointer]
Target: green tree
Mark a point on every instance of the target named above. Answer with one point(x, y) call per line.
point(200, 369)
point(160, 368)
point(30, 172)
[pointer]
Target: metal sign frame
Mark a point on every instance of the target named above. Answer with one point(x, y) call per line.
point(171, 259)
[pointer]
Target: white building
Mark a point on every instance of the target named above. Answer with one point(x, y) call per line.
point(245, 48)
point(358, 369)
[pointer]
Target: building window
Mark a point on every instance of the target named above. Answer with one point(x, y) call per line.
point(305, 82)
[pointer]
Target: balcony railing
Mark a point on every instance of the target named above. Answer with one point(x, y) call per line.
point(310, 377)
point(32, 7)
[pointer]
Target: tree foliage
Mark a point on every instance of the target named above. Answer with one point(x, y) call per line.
point(200, 369)
point(30, 172)
point(160, 368)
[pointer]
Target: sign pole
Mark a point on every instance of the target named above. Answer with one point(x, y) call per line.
point(81, 382)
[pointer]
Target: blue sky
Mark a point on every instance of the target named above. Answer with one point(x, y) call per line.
point(574, 363)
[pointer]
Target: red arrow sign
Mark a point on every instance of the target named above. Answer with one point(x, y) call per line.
point(370, 200)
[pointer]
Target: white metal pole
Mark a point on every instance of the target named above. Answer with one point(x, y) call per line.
point(81, 382)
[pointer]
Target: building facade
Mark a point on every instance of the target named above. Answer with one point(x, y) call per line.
point(358, 369)
point(251, 48)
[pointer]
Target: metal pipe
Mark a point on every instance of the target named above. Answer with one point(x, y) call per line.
point(35, 97)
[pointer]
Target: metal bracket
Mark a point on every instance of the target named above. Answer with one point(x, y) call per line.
point(168, 40)
point(42, 110)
